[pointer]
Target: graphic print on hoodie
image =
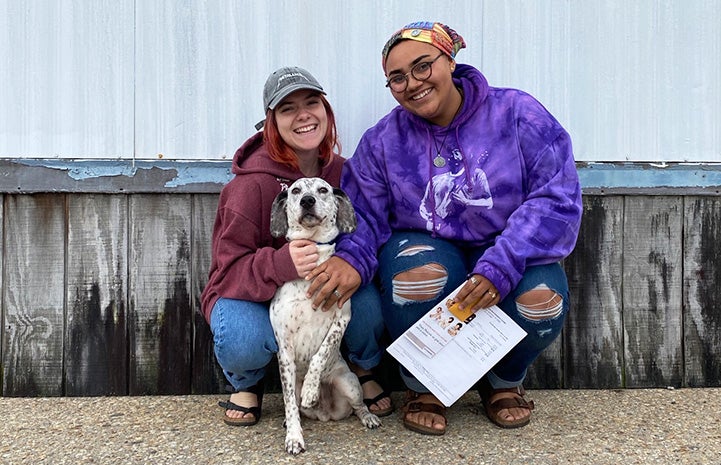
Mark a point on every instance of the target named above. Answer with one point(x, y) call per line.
point(452, 192)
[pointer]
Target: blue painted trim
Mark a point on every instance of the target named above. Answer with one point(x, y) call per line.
point(649, 176)
point(185, 172)
point(127, 176)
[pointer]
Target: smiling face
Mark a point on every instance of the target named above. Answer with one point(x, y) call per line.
point(302, 122)
point(435, 99)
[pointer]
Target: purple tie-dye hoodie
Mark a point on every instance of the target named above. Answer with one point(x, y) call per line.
point(509, 183)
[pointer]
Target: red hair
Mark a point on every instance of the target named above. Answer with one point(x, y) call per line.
point(280, 151)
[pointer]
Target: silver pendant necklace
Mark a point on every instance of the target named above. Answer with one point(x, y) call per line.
point(439, 161)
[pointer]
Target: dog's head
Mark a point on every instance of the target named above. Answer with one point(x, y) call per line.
point(311, 209)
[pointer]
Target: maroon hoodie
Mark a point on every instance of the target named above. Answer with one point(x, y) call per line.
point(247, 263)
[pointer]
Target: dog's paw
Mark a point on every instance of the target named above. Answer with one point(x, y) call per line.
point(309, 396)
point(369, 420)
point(294, 443)
point(309, 402)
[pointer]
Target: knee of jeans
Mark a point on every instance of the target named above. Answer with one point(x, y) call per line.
point(243, 352)
point(420, 284)
point(540, 304)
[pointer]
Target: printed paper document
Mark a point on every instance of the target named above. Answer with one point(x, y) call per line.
point(448, 350)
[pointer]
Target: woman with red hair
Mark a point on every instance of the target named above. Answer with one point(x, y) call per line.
point(247, 264)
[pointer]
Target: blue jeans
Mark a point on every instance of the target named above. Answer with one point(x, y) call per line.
point(245, 343)
point(458, 262)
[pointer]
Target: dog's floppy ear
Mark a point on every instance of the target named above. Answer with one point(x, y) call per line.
point(278, 215)
point(345, 220)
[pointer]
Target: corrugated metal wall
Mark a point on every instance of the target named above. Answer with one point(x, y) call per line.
point(638, 81)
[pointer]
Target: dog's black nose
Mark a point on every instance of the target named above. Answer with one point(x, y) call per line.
point(307, 202)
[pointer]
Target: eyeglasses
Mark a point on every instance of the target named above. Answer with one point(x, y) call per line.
point(420, 71)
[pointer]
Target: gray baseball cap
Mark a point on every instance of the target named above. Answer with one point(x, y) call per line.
point(284, 82)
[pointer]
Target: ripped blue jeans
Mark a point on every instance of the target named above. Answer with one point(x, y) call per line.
point(406, 251)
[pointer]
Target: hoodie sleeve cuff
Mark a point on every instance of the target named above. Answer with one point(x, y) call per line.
point(495, 276)
point(365, 274)
point(285, 269)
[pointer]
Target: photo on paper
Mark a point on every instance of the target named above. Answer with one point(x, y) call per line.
point(439, 326)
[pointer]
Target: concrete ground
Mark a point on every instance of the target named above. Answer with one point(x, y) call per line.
point(644, 426)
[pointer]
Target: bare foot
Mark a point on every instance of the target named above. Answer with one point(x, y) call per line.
point(371, 389)
point(243, 399)
point(426, 418)
point(509, 414)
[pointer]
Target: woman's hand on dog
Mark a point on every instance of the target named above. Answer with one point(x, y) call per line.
point(304, 254)
point(332, 282)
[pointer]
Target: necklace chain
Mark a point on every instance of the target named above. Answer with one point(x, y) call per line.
point(439, 161)
point(439, 147)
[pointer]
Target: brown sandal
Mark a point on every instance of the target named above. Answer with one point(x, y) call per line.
point(413, 405)
point(493, 408)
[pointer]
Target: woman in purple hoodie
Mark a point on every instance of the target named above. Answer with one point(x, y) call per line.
point(248, 265)
point(462, 183)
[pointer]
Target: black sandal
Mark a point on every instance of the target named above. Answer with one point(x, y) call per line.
point(258, 390)
point(382, 412)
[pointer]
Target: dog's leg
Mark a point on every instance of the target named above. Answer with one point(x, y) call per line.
point(319, 363)
point(294, 443)
point(347, 385)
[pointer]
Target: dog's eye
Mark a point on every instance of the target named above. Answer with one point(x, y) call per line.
point(295, 191)
point(323, 190)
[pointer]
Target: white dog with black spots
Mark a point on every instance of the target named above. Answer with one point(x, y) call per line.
point(315, 378)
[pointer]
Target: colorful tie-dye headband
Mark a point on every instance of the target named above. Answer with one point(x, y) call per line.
point(439, 35)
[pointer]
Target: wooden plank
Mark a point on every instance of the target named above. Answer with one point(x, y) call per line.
point(702, 288)
point(2, 294)
point(624, 278)
point(160, 315)
point(96, 340)
point(652, 297)
point(593, 331)
point(546, 372)
point(207, 376)
point(33, 295)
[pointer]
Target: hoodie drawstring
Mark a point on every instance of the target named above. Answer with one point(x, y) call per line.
point(431, 189)
point(465, 162)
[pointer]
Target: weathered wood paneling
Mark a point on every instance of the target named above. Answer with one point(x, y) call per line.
point(101, 295)
point(593, 332)
point(2, 291)
point(160, 318)
point(702, 288)
point(652, 282)
point(207, 375)
point(34, 291)
point(547, 371)
point(96, 345)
